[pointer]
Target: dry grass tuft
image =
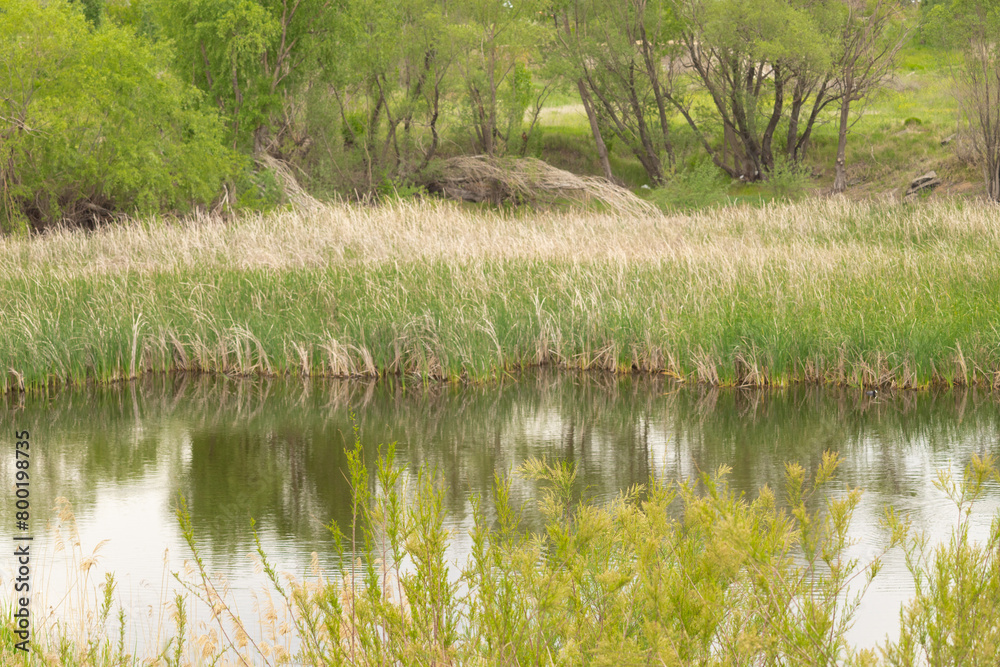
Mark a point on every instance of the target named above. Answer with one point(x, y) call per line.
point(295, 193)
point(480, 178)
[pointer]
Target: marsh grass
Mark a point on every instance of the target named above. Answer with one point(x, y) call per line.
point(825, 291)
point(667, 573)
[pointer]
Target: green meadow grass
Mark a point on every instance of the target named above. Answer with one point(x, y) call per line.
point(822, 291)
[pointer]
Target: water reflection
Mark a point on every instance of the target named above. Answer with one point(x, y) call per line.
point(274, 450)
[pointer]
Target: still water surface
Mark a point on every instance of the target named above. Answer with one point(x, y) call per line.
point(274, 450)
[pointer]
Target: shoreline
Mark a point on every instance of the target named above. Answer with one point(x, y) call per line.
point(826, 291)
point(55, 385)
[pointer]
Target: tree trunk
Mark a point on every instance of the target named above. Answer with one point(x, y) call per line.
point(840, 180)
point(654, 80)
point(435, 108)
point(743, 167)
point(602, 149)
point(652, 160)
point(766, 155)
point(993, 182)
point(491, 120)
point(798, 99)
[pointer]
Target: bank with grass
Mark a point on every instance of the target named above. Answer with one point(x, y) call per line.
point(825, 290)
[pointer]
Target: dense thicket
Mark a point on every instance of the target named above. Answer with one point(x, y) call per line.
point(122, 106)
point(92, 122)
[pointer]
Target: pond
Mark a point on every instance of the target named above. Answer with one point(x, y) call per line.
point(274, 450)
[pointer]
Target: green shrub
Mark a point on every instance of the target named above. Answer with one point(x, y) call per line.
point(398, 188)
point(673, 574)
point(787, 181)
point(668, 573)
point(699, 186)
point(257, 189)
point(95, 124)
point(953, 618)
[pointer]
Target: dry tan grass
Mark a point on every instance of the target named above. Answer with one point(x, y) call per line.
point(809, 235)
point(499, 180)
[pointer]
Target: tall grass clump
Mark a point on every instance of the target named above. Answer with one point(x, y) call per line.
point(824, 291)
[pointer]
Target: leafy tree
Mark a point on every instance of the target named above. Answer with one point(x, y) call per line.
point(873, 32)
point(500, 39)
point(390, 86)
point(812, 82)
point(747, 56)
point(934, 18)
point(250, 55)
point(92, 123)
point(624, 58)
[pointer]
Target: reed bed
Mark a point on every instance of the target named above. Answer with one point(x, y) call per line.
point(825, 291)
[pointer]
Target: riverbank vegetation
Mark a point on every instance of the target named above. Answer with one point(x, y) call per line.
point(116, 109)
point(675, 573)
point(824, 291)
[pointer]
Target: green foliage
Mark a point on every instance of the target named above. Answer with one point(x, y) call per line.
point(136, 15)
point(397, 189)
point(699, 186)
point(93, 123)
point(940, 21)
point(257, 189)
point(373, 108)
point(670, 573)
point(953, 619)
point(247, 54)
point(515, 98)
point(355, 93)
point(93, 10)
point(498, 37)
point(775, 31)
point(626, 55)
point(787, 181)
point(749, 58)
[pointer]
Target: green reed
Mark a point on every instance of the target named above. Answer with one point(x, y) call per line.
point(819, 292)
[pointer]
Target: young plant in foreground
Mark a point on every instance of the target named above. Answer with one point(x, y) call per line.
point(671, 573)
point(667, 573)
point(953, 619)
